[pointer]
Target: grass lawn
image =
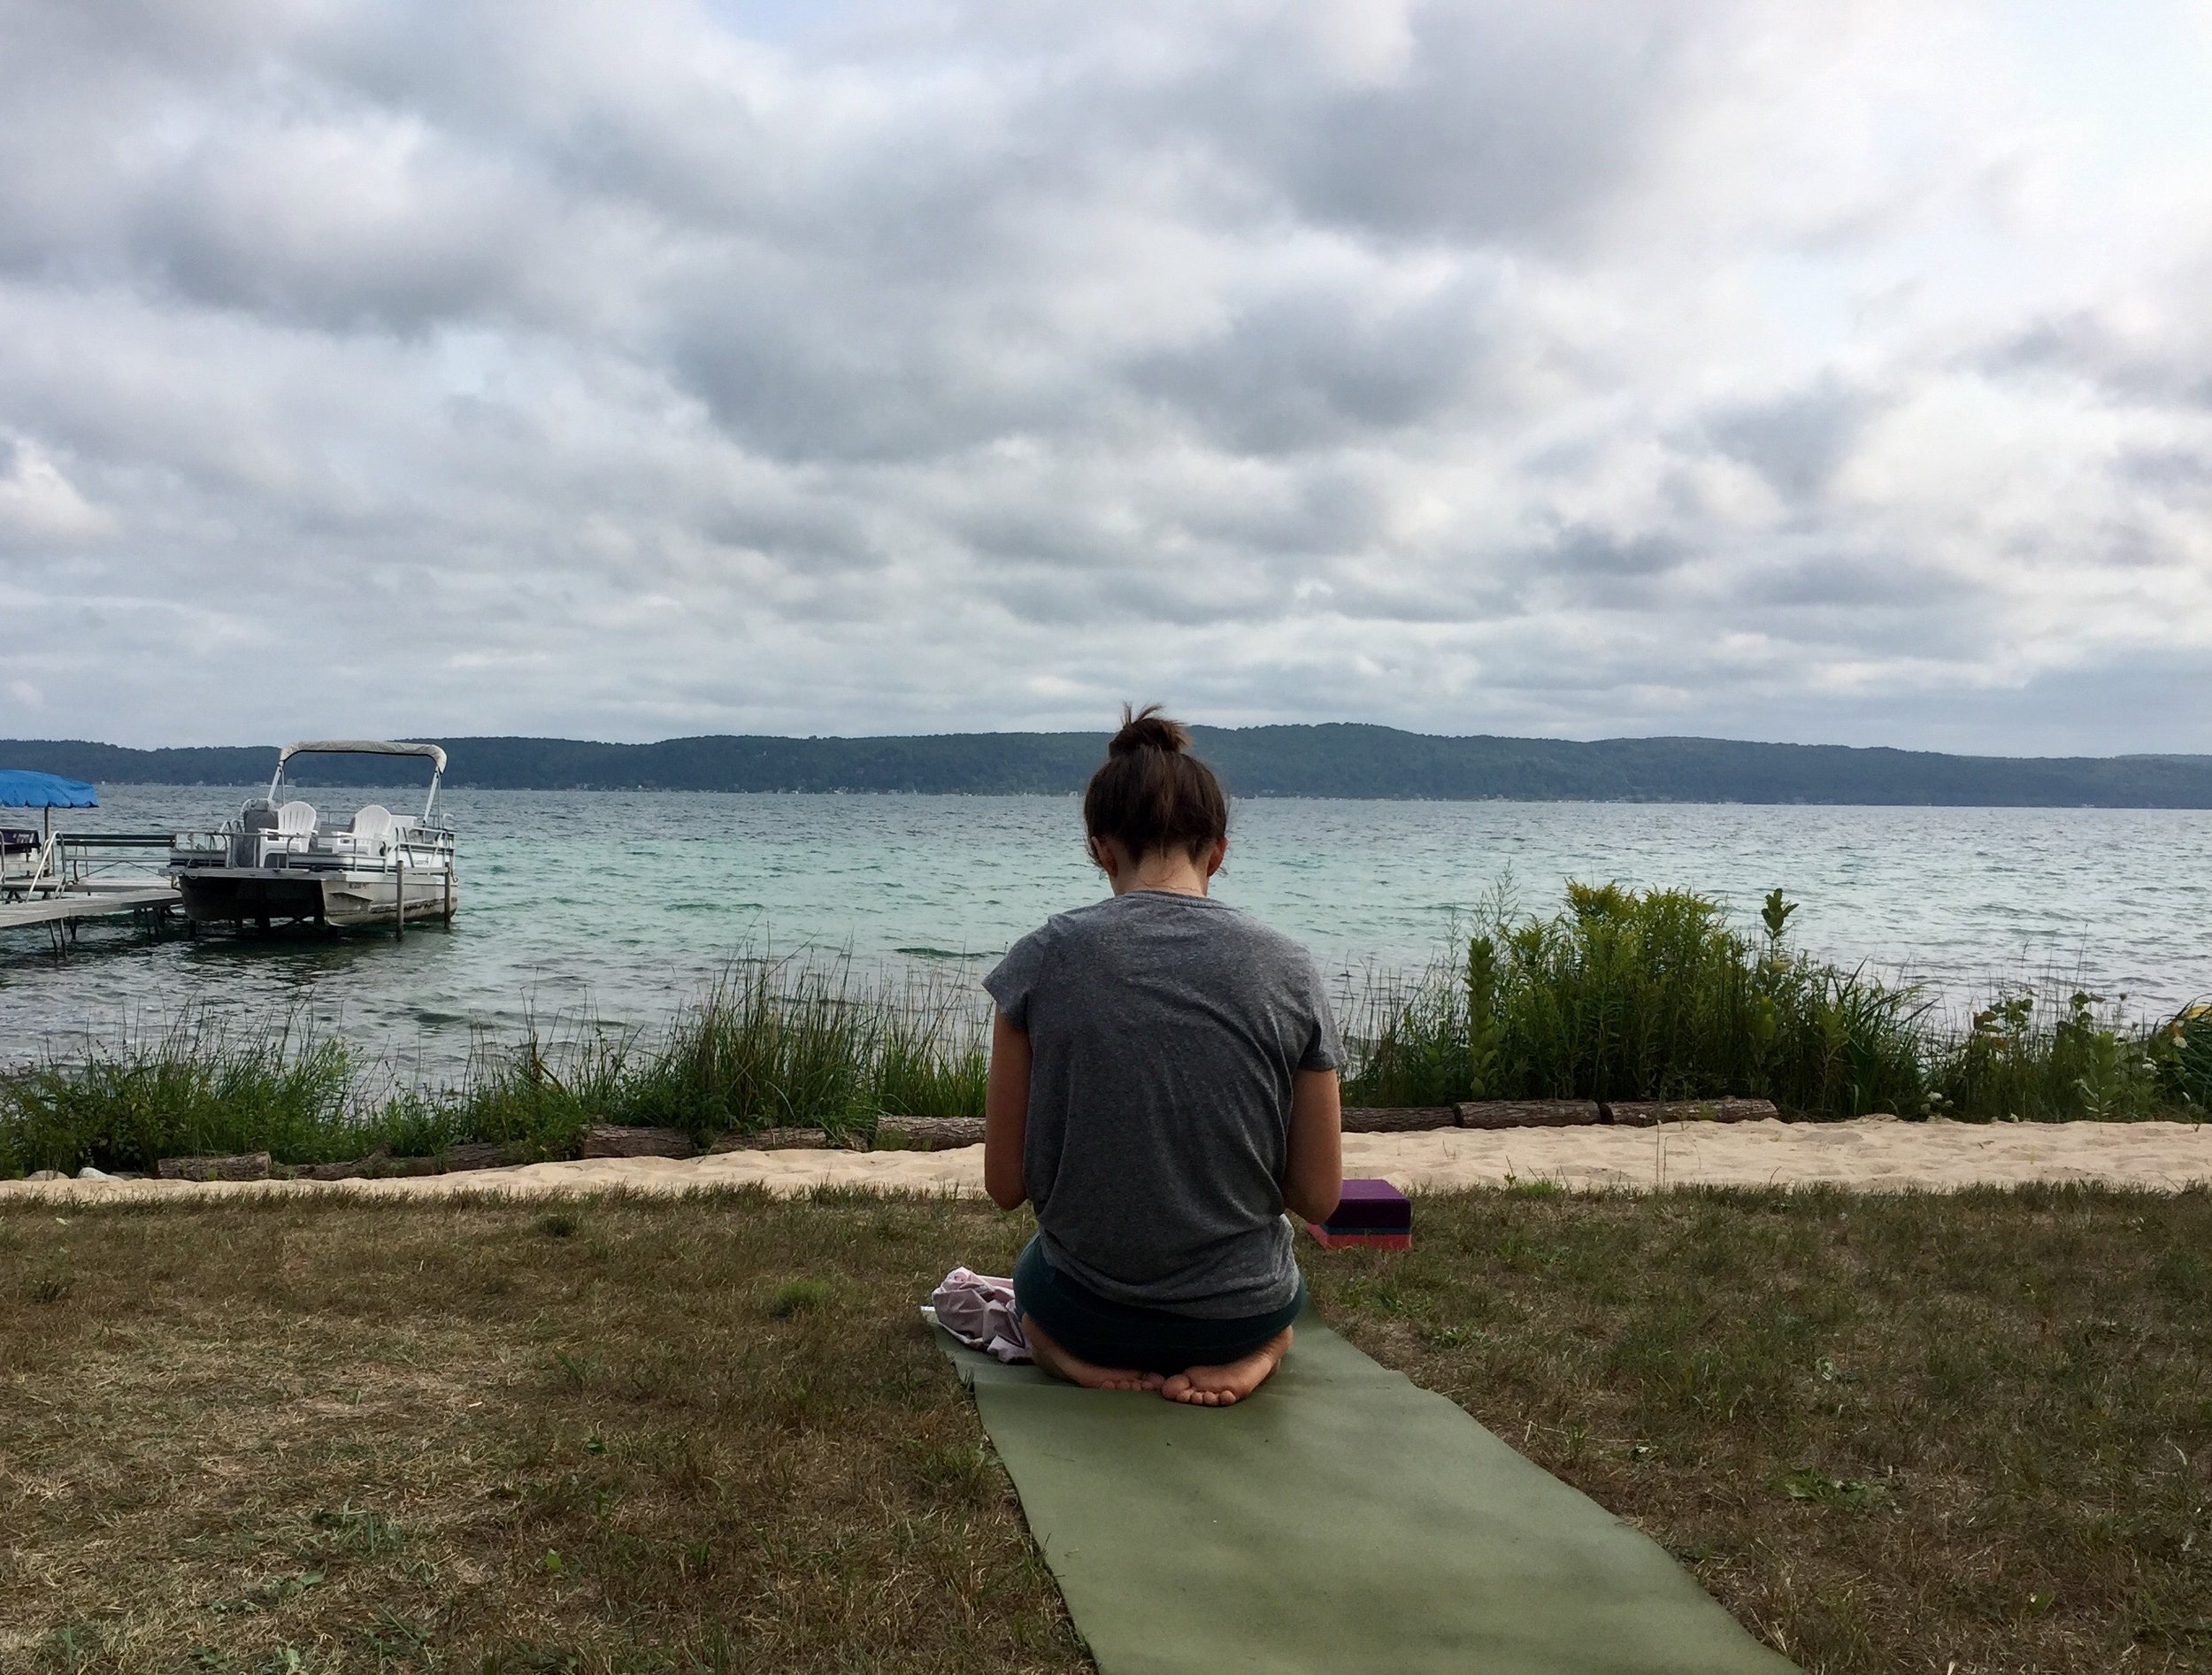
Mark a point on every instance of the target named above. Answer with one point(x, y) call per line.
point(1968, 1434)
point(1971, 1433)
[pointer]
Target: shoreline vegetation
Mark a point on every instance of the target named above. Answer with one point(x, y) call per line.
point(1619, 994)
point(1333, 760)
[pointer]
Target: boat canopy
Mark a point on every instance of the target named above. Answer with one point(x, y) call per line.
point(359, 747)
point(20, 788)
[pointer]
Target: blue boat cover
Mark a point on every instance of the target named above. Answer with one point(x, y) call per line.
point(20, 788)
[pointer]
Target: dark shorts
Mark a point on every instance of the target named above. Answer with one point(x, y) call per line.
point(1121, 1334)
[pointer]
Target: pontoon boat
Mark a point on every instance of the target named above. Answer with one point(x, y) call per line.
point(280, 860)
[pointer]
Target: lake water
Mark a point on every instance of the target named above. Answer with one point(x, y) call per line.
point(623, 903)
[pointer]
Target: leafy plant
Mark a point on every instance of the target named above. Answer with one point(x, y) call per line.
point(2180, 1051)
point(1630, 995)
point(1653, 994)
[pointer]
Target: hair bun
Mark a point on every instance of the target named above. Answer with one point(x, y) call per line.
point(1152, 796)
point(1147, 729)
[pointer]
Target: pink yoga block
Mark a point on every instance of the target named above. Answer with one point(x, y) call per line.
point(1373, 1240)
point(1368, 1212)
point(1367, 1205)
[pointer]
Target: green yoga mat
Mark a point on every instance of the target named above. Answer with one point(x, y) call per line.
point(1341, 1520)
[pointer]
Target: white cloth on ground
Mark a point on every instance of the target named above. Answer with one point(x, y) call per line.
point(981, 1312)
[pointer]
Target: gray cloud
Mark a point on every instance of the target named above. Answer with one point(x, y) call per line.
point(1477, 123)
point(2167, 365)
point(669, 368)
point(1797, 440)
point(1294, 373)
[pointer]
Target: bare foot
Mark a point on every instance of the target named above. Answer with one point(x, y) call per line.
point(1075, 1370)
point(1223, 1386)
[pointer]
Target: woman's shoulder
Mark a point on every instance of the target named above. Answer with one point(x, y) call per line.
point(1178, 916)
point(1072, 928)
point(1277, 948)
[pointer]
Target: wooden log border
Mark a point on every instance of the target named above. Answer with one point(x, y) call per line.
point(1530, 1113)
point(606, 1140)
point(773, 1140)
point(1645, 1113)
point(252, 1166)
point(1397, 1119)
point(945, 1134)
point(1554, 1113)
point(927, 1134)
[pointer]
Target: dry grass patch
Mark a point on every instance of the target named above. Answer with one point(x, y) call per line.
point(1967, 1434)
point(623, 1435)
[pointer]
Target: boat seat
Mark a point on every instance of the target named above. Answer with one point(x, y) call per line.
point(374, 825)
point(258, 815)
point(297, 819)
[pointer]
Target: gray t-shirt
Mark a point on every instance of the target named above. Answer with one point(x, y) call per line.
point(1164, 1030)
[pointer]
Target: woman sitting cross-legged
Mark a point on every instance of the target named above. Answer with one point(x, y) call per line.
point(1162, 1083)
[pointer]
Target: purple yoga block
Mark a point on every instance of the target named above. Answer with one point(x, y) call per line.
point(1372, 1206)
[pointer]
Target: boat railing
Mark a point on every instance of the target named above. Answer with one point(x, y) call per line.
point(95, 861)
point(64, 862)
point(42, 874)
point(266, 847)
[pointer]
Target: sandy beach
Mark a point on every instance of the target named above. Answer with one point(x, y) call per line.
point(1873, 1154)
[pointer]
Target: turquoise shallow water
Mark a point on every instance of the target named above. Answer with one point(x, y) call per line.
point(623, 903)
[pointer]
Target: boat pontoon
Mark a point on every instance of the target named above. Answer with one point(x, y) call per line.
point(280, 860)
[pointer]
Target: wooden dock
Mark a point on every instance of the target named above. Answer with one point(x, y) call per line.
point(68, 907)
point(72, 882)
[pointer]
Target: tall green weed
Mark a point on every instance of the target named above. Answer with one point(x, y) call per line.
point(196, 1086)
point(1628, 995)
point(771, 1042)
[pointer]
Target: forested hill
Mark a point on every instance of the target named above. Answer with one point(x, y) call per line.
point(1340, 760)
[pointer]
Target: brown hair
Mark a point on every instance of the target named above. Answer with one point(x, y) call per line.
point(1151, 795)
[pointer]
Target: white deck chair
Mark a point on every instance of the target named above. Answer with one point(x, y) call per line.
point(374, 830)
point(297, 819)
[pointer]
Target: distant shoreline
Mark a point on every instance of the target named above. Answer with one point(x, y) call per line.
point(1335, 760)
point(256, 787)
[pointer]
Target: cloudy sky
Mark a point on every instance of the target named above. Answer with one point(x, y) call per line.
point(1837, 372)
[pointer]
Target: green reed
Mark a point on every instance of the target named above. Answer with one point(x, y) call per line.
point(770, 1042)
point(1621, 995)
point(1655, 994)
point(2069, 1054)
point(195, 1086)
point(797, 1042)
